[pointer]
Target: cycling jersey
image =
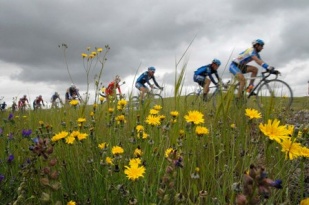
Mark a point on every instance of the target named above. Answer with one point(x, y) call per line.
point(144, 78)
point(204, 71)
point(246, 56)
point(111, 87)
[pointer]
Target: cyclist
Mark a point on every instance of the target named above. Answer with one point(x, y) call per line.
point(239, 65)
point(200, 76)
point(72, 93)
point(14, 106)
point(23, 102)
point(54, 99)
point(3, 106)
point(111, 88)
point(38, 102)
point(144, 78)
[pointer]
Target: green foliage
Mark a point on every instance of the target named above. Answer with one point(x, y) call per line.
point(81, 173)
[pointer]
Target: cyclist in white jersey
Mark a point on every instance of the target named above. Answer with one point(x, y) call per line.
point(239, 65)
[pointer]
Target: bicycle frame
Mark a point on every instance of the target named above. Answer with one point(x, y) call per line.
point(264, 79)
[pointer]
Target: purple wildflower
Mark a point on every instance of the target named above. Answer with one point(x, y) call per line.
point(1, 131)
point(277, 184)
point(178, 162)
point(26, 133)
point(10, 158)
point(10, 136)
point(1, 178)
point(36, 140)
point(10, 116)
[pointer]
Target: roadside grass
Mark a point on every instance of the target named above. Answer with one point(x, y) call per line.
point(57, 172)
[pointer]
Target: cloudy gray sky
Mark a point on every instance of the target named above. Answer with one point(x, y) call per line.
point(143, 33)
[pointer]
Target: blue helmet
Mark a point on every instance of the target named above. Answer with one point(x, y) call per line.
point(258, 41)
point(216, 61)
point(152, 69)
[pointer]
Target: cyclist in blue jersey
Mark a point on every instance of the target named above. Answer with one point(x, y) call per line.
point(239, 65)
point(143, 79)
point(200, 76)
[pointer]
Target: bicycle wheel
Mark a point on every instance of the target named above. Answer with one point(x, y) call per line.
point(133, 104)
point(193, 99)
point(274, 94)
point(155, 99)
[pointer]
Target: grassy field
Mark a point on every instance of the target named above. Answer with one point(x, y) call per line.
point(174, 154)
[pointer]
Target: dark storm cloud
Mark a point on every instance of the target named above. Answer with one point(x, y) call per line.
point(141, 33)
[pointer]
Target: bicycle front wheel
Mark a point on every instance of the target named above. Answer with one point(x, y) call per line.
point(274, 94)
point(156, 100)
point(193, 99)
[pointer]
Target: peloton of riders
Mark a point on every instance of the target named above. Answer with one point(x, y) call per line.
point(203, 76)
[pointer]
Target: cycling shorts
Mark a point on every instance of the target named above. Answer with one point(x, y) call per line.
point(236, 68)
point(140, 85)
point(200, 79)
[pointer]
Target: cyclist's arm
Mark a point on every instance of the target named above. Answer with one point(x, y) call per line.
point(212, 79)
point(155, 82)
point(260, 62)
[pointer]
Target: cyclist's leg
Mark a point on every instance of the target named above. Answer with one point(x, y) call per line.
point(206, 88)
point(253, 70)
point(239, 76)
point(143, 89)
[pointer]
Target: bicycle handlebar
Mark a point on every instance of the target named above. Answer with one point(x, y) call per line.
point(274, 72)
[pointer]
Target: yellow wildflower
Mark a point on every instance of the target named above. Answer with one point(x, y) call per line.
point(135, 161)
point(139, 128)
point(74, 102)
point(174, 113)
point(304, 201)
point(71, 203)
point(138, 152)
point(153, 120)
point(81, 120)
point(134, 172)
point(157, 107)
point(153, 111)
point(82, 136)
point(59, 136)
point(117, 150)
point(194, 117)
point(199, 130)
point(99, 50)
point(252, 113)
point(145, 135)
point(274, 131)
point(109, 160)
point(103, 145)
point(69, 140)
point(84, 55)
point(122, 102)
point(292, 149)
point(168, 152)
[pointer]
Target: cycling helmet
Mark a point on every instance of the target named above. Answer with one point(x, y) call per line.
point(258, 41)
point(152, 69)
point(73, 86)
point(25, 96)
point(216, 61)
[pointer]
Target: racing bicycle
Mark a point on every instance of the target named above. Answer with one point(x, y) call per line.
point(151, 98)
point(196, 98)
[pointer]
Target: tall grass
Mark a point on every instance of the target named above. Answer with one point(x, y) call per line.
point(199, 169)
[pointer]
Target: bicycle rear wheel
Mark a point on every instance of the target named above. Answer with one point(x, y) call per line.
point(193, 99)
point(274, 94)
point(155, 99)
